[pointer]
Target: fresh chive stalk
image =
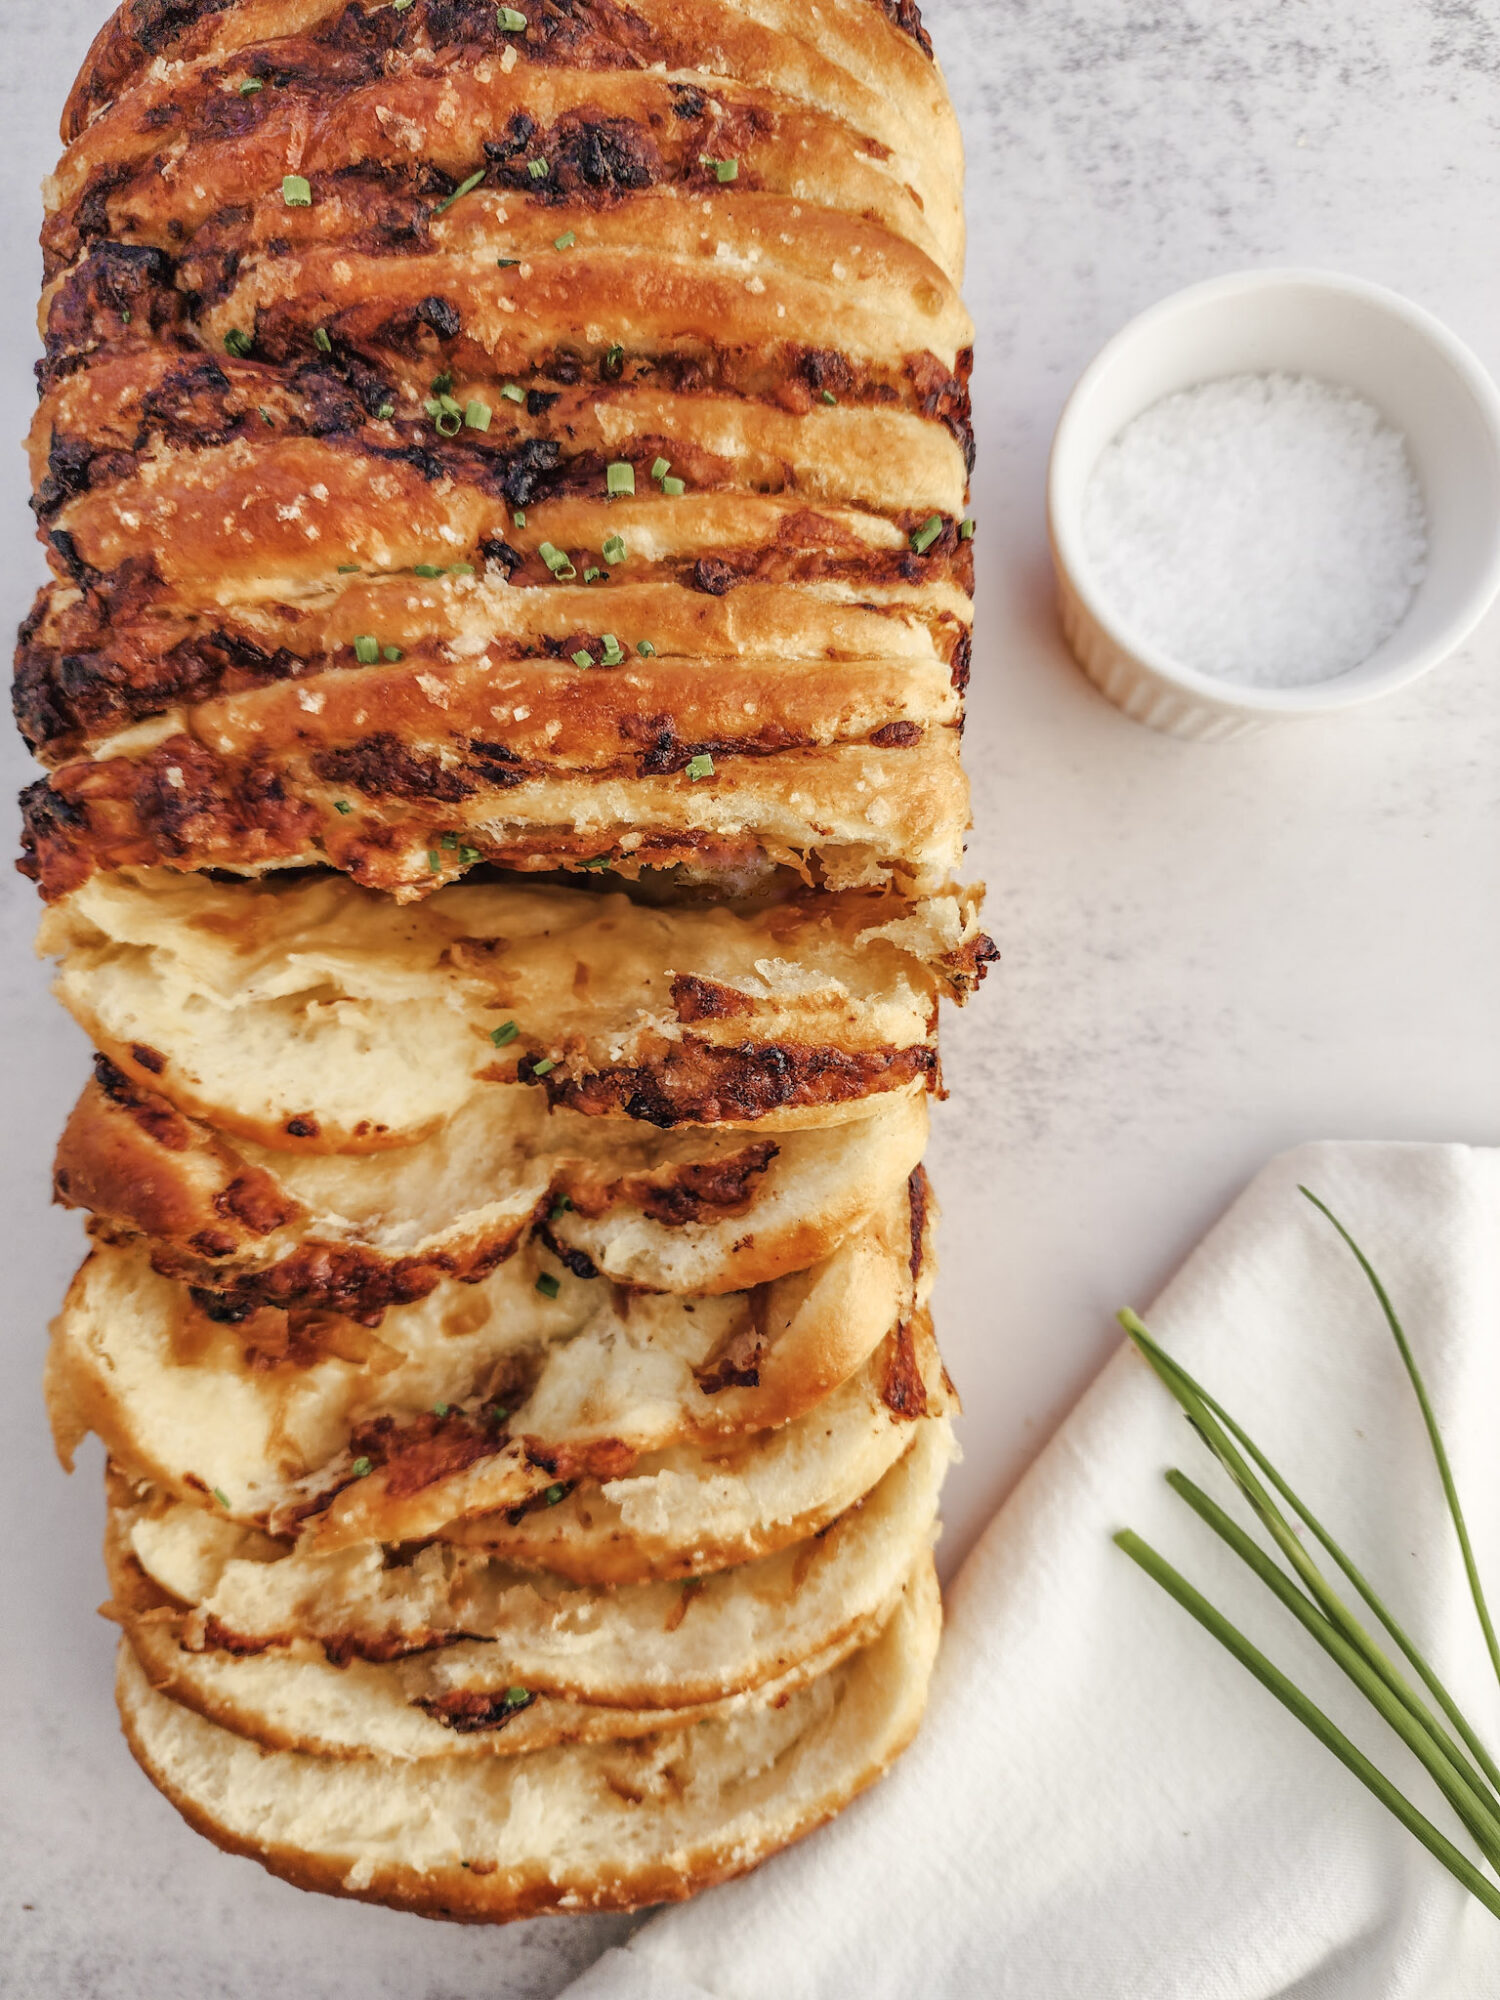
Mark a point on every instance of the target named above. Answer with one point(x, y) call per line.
point(1472, 1788)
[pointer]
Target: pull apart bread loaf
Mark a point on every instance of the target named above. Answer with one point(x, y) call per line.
point(503, 473)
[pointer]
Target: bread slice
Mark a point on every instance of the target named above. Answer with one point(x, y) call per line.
point(696, 1210)
point(452, 1612)
point(598, 1826)
point(476, 1397)
point(315, 1016)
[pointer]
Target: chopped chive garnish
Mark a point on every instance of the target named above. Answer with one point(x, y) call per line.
point(467, 856)
point(554, 1494)
point(463, 188)
point(266, 417)
point(966, 530)
point(537, 169)
point(927, 534)
point(385, 411)
point(401, 6)
point(428, 570)
point(442, 1409)
point(558, 562)
point(614, 550)
point(348, 569)
point(519, 517)
point(434, 861)
point(296, 191)
point(449, 840)
point(599, 861)
point(561, 1207)
point(362, 1467)
point(221, 1496)
point(593, 574)
point(509, 20)
point(619, 476)
point(495, 1415)
point(700, 767)
point(250, 86)
point(565, 241)
point(517, 1697)
point(367, 649)
point(645, 648)
point(461, 569)
point(392, 653)
point(543, 1068)
point(503, 1037)
point(321, 341)
point(582, 659)
point(613, 363)
point(614, 653)
point(827, 396)
point(548, 1286)
point(674, 488)
point(442, 385)
point(342, 806)
point(723, 170)
point(661, 468)
point(478, 416)
point(238, 343)
point(509, 263)
point(513, 393)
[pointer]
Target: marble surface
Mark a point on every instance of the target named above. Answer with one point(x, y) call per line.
point(1210, 953)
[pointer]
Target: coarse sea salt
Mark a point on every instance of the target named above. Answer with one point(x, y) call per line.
point(1263, 529)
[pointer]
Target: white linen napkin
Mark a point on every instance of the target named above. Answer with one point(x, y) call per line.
point(1101, 1804)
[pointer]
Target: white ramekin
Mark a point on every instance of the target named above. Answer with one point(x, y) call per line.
point(1424, 381)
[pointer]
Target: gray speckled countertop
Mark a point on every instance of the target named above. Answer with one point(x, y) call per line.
point(1209, 953)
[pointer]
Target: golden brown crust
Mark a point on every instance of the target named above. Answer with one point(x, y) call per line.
point(507, 271)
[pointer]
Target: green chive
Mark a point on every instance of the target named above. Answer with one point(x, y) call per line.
point(599, 861)
point(250, 86)
point(467, 856)
point(461, 569)
point(434, 861)
point(516, 1697)
point(296, 191)
point(519, 517)
point(342, 806)
point(559, 564)
point(386, 411)
point(543, 1068)
point(548, 1286)
point(495, 1415)
point(508, 263)
point(582, 659)
point(442, 385)
point(221, 1496)
point(593, 574)
point(321, 341)
point(645, 648)
point(348, 569)
point(619, 477)
point(367, 649)
point(513, 393)
point(463, 188)
point(614, 550)
point(428, 570)
point(700, 767)
point(400, 6)
point(723, 170)
point(927, 534)
point(828, 396)
point(538, 169)
point(478, 416)
point(565, 241)
point(661, 468)
point(442, 1409)
point(966, 530)
point(509, 20)
point(449, 840)
point(392, 653)
point(674, 488)
point(362, 1468)
point(503, 1037)
point(266, 417)
point(238, 343)
point(554, 1494)
point(614, 653)
point(613, 363)
point(561, 1207)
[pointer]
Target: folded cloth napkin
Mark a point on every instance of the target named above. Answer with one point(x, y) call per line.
point(1101, 1804)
